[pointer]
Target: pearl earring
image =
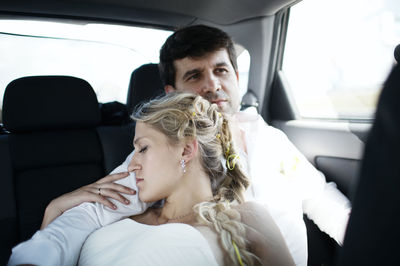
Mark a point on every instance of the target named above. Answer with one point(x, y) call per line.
point(183, 166)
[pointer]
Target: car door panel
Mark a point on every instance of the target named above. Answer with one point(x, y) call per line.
point(335, 148)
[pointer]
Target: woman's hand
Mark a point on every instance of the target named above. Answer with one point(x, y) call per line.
point(98, 191)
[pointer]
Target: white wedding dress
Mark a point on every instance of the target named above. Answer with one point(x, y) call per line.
point(128, 242)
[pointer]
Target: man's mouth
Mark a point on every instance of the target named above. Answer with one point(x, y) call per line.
point(219, 102)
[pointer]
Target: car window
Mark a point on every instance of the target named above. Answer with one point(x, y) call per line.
point(337, 55)
point(243, 61)
point(102, 54)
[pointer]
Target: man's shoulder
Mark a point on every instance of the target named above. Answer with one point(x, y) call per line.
point(245, 117)
point(254, 123)
point(254, 214)
point(250, 207)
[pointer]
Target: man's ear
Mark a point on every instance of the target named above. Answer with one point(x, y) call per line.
point(168, 88)
point(190, 150)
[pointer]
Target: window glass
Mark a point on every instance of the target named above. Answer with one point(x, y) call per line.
point(243, 61)
point(102, 54)
point(337, 55)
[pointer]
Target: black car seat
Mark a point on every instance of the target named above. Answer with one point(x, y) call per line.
point(8, 215)
point(373, 232)
point(144, 85)
point(53, 144)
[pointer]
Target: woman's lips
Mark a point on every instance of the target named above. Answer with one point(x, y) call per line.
point(138, 180)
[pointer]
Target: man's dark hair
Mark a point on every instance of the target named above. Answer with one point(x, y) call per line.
point(193, 41)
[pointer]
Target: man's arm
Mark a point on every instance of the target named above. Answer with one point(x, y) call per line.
point(322, 202)
point(330, 210)
point(60, 242)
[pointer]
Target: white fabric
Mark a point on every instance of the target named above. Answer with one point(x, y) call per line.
point(130, 243)
point(281, 177)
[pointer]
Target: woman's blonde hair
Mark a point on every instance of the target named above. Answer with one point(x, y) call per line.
point(183, 116)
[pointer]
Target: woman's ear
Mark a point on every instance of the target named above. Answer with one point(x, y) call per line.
point(190, 150)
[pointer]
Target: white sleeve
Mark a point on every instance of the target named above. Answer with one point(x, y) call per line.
point(330, 210)
point(321, 201)
point(61, 241)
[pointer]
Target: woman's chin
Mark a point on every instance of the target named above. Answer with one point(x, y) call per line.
point(146, 199)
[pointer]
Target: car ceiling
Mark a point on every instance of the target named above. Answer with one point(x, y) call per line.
point(165, 13)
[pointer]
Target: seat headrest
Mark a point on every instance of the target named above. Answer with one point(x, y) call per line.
point(397, 53)
point(145, 84)
point(49, 102)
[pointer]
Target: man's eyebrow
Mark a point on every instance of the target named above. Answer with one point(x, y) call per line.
point(197, 70)
point(191, 72)
point(221, 64)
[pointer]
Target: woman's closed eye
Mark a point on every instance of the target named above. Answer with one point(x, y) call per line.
point(144, 149)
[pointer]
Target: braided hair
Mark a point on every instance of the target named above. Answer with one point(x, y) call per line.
point(183, 116)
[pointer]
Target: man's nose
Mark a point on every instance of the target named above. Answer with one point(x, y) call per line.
point(211, 84)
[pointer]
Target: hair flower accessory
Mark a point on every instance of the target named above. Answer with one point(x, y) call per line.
point(231, 161)
point(227, 150)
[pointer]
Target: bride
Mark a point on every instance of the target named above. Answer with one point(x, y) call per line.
point(186, 156)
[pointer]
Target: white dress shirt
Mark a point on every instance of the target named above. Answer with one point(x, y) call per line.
point(281, 178)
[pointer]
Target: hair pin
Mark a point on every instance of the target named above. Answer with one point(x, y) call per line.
point(231, 161)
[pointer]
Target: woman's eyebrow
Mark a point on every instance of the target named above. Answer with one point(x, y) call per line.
point(136, 140)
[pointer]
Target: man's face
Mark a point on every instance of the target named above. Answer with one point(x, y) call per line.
point(212, 77)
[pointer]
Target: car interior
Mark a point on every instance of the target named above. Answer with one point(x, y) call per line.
point(56, 135)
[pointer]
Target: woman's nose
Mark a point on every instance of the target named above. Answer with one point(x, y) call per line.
point(133, 165)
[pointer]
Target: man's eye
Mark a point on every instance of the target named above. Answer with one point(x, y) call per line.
point(195, 76)
point(142, 150)
point(221, 70)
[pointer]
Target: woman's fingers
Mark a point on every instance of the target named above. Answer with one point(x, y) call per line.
point(106, 187)
point(118, 188)
point(100, 191)
point(102, 200)
point(111, 193)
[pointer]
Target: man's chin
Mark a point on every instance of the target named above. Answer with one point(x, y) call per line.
point(226, 108)
point(222, 106)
